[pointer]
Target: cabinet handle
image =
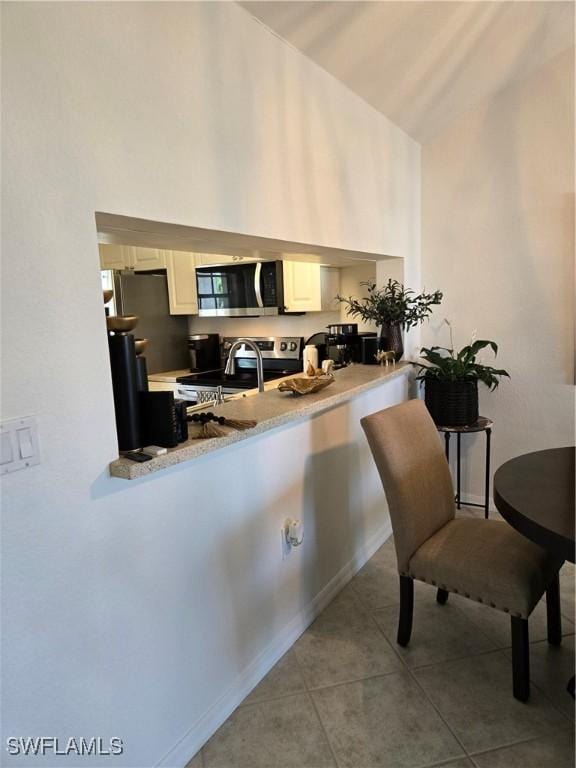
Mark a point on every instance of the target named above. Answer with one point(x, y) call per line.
point(257, 290)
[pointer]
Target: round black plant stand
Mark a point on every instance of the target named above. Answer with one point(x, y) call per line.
point(482, 425)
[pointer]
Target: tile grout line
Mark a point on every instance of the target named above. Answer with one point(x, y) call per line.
point(435, 708)
point(364, 608)
point(541, 690)
point(446, 763)
point(541, 735)
point(513, 743)
point(324, 731)
point(529, 740)
point(427, 697)
point(309, 694)
point(469, 755)
point(474, 655)
point(552, 704)
point(315, 689)
point(496, 649)
point(467, 619)
point(310, 691)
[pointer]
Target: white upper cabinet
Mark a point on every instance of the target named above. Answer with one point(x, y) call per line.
point(310, 287)
point(181, 273)
point(115, 256)
point(131, 257)
point(148, 258)
point(302, 287)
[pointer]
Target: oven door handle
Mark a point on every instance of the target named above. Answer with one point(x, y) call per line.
point(257, 289)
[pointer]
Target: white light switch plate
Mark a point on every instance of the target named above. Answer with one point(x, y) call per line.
point(19, 444)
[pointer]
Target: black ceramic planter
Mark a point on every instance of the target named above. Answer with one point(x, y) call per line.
point(452, 403)
point(390, 338)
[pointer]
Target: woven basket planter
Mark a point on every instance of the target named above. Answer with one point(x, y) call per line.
point(452, 403)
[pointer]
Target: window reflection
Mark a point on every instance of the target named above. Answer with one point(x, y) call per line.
point(220, 284)
point(205, 284)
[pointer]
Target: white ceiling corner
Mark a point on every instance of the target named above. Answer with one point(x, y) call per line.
point(422, 63)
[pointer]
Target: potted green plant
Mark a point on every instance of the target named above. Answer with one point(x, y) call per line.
point(393, 308)
point(451, 381)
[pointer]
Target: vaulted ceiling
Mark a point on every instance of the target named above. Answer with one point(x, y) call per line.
point(423, 63)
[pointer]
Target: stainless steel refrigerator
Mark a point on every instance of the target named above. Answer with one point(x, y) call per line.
point(146, 294)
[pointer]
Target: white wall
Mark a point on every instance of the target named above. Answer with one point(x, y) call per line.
point(498, 239)
point(180, 112)
point(351, 279)
point(301, 325)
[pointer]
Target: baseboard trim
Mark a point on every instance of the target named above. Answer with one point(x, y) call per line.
point(220, 711)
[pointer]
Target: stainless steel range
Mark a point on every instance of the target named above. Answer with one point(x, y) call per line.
point(281, 356)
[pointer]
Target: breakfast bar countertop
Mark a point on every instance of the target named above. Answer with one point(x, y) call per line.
point(270, 409)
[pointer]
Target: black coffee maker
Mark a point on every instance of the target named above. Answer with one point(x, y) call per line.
point(343, 344)
point(204, 351)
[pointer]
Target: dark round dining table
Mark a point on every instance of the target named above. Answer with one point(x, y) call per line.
point(535, 494)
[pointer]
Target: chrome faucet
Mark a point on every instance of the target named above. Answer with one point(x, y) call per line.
point(230, 368)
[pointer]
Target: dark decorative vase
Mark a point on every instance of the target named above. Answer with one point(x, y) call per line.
point(125, 389)
point(452, 403)
point(390, 338)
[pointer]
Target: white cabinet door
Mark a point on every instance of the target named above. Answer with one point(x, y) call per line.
point(181, 273)
point(148, 258)
point(302, 287)
point(114, 256)
point(330, 288)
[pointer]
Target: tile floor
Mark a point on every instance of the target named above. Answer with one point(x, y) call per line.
point(347, 695)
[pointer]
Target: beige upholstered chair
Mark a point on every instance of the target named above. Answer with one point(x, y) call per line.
point(484, 560)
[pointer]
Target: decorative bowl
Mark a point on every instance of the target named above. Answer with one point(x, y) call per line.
point(301, 385)
point(140, 345)
point(122, 323)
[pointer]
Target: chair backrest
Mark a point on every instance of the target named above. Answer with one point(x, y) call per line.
point(414, 472)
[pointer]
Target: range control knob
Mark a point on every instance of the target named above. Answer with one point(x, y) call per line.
point(293, 346)
point(283, 346)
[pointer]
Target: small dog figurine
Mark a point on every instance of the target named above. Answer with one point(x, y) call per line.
point(385, 357)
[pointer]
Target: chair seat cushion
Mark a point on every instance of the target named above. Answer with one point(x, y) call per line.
point(487, 561)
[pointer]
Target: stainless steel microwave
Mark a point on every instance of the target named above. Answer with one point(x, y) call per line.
point(240, 290)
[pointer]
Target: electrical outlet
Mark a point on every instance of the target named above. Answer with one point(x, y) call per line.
point(286, 547)
point(292, 533)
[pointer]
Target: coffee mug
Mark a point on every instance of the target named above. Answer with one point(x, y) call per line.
point(327, 366)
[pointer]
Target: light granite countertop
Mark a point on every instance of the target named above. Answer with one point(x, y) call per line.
point(270, 409)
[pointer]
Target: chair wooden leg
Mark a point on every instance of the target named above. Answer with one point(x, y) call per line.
point(553, 617)
point(520, 659)
point(441, 596)
point(406, 610)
